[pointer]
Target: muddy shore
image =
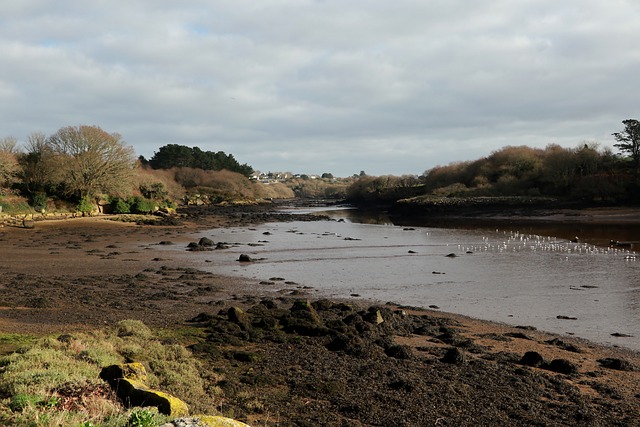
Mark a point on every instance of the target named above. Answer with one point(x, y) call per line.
point(339, 363)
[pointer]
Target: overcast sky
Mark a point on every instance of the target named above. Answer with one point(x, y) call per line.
point(388, 87)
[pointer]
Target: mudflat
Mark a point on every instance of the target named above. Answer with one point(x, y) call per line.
point(333, 363)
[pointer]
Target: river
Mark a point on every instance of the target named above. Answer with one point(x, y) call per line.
point(530, 275)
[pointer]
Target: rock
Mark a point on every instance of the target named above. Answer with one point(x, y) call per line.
point(562, 366)
point(532, 358)
point(205, 241)
point(236, 315)
point(245, 258)
point(134, 371)
point(348, 344)
point(451, 255)
point(617, 364)
point(620, 335)
point(374, 316)
point(216, 421)
point(454, 356)
point(561, 317)
point(519, 335)
point(399, 352)
point(565, 346)
point(28, 223)
point(128, 380)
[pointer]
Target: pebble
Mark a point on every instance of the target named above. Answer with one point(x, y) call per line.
point(184, 422)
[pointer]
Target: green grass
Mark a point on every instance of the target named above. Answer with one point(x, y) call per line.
point(12, 342)
point(55, 381)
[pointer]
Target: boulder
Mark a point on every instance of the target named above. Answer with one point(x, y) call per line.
point(237, 315)
point(454, 356)
point(245, 258)
point(205, 241)
point(217, 421)
point(562, 366)
point(128, 380)
point(617, 364)
point(532, 358)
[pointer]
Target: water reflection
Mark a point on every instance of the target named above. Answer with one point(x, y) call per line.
point(595, 234)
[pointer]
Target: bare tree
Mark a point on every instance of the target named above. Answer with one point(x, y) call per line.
point(92, 161)
point(9, 145)
point(9, 167)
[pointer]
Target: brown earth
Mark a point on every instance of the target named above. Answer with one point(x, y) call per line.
point(287, 364)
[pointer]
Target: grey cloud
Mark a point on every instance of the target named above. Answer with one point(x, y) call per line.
point(309, 86)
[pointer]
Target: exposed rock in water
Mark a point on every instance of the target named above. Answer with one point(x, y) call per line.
point(245, 258)
point(205, 241)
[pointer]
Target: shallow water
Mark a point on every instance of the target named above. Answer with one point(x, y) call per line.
point(504, 275)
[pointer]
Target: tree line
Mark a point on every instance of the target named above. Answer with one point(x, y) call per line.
point(83, 165)
point(587, 173)
point(174, 155)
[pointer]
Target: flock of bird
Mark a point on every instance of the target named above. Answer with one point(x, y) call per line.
point(514, 241)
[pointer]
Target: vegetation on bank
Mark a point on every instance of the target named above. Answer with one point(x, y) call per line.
point(84, 168)
point(55, 380)
point(587, 173)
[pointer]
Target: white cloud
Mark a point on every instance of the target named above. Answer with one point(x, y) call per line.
point(323, 86)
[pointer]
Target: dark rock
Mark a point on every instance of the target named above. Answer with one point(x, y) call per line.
point(205, 241)
point(620, 335)
point(518, 335)
point(201, 318)
point(399, 352)
point(451, 255)
point(526, 327)
point(238, 316)
point(561, 317)
point(532, 358)
point(617, 364)
point(245, 258)
point(348, 344)
point(454, 356)
point(563, 345)
point(322, 304)
point(562, 366)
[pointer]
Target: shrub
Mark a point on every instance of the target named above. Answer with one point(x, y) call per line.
point(142, 418)
point(143, 206)
point(39, 201)
point(120, 206)
point(85, 206)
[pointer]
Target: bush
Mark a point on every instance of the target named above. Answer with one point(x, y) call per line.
point(120, 206)
point(142, 418)
point(85, 206)
point(39, 201)
point(143, 206)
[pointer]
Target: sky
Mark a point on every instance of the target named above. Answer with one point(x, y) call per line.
point(324, 86)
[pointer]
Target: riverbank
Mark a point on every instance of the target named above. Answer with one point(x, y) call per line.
point(346, 364)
